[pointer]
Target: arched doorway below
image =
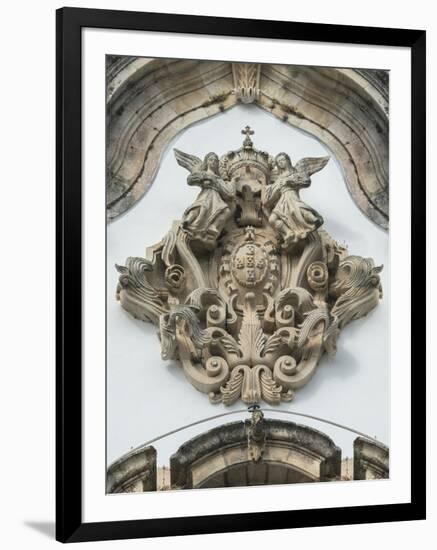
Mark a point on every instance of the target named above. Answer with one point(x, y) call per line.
point(244, 453)
point(257, 451)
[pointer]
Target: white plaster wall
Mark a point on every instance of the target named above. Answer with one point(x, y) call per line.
point(147, 396)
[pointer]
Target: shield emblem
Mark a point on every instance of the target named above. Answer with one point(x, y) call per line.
point(249, 264)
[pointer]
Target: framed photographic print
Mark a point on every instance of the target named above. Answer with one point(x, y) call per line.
point(240, 234)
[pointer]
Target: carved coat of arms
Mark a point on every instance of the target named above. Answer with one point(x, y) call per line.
point(247, 290)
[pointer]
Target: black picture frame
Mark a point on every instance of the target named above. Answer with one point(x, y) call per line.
point(69, 525)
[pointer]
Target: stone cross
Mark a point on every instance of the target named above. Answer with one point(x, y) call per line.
point(248, 132)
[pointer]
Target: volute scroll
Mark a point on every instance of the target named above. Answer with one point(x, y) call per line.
point(248, 290)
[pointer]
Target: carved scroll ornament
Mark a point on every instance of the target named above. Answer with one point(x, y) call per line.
point(247, 290)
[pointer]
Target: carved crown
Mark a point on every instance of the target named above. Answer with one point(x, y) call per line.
point(244, 159)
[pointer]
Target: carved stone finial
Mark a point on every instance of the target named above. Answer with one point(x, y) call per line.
point(248, 290)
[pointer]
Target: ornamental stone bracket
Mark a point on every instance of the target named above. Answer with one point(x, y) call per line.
point(247, 289)
point(149, 101)
point(246, 81)
point(256, 434)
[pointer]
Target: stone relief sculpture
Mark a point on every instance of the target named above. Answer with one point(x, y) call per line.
point(205, 218)
point(150, 100)
point(246, 81)
point(292, 218)
point(247, 290)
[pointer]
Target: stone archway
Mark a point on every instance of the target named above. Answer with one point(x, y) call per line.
point(226, 456)
point(149, 101)
point(250, 474)
point(258, 451)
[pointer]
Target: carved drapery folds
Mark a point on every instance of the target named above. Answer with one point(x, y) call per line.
point(151, 100)
point(248, 309)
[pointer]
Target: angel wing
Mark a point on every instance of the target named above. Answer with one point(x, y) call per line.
point(189, 162)
point(309, 166)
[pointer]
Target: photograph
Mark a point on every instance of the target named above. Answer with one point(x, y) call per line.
point(240, 251)
point(218, 275)
point(248, 299)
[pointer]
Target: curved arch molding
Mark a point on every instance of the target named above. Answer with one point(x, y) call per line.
point(211, 459)
point(149, 101)
point(249, 453)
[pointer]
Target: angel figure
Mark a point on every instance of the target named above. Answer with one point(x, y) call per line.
point(290, 216)
point(205, 218)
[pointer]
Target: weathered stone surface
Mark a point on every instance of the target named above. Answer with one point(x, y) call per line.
point(247, 289)
point(151, 100)
point(371, 459)
point(134, 472)
point(256, 451)
point(222, 457)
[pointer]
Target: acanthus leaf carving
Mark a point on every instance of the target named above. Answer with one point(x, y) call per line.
point(248, 297)
point(246, 81)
